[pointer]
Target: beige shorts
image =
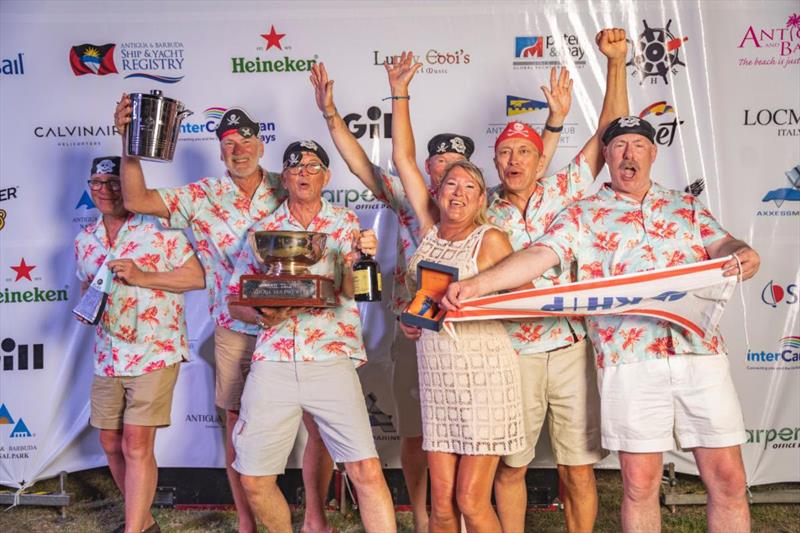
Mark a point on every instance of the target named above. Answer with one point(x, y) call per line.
point(561, 386)
point(232, 354)
point(405, 386)
point(688, 400)
point(144, 400)
point(275, 396)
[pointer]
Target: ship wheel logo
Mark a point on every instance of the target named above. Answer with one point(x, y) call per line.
point(656, 53)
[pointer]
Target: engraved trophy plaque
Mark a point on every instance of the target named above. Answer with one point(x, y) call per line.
point(286, 281)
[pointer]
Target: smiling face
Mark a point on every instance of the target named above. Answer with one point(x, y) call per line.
point(305, 187)
point(108, 199)
point(518, 163)
point(629, 158)
point(437, 164)
point(241, 154)
point(461, 197)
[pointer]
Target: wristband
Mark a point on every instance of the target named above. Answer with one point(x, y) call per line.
point(260, 323)
point(554, 129)
point(406, 97)
point(328, 117)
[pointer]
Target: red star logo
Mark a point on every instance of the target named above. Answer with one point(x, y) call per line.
point(23, 270)
point(273, 38)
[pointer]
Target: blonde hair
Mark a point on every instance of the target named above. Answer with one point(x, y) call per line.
point(477, 175)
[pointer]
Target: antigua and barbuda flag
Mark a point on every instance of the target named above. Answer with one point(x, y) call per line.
point(92, 59)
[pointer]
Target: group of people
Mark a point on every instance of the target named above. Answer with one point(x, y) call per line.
point(469, 408)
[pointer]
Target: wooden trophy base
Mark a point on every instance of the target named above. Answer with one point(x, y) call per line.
point(299, 290)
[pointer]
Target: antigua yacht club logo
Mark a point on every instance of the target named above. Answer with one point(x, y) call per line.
point(160, 61)
point(272, 43)
point(656, 54)
point(517, 105)
point(772, 45)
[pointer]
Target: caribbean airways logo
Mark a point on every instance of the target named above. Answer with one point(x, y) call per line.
point(160, 61)
point(205, 129)
point(271, 43)
point(656, 54)
point(774, 46)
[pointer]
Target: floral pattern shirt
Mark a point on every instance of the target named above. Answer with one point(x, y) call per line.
point(551, 196)
point(321, 334)
point(141, 330)
point(609, 234)
point(394, 195)
point(219, 215)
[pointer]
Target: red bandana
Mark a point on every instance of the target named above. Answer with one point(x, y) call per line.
point(522, 131)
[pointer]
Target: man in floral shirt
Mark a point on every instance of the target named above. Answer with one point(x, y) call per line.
point(659, 382)
point(141, 336)
point(305, 359)
point(219, 212)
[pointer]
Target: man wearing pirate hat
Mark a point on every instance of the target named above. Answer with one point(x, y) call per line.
point(660, 384)
point(219, 212)
point(123, 255)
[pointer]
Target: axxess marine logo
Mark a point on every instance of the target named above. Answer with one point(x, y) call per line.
point(656, 54)
point(774, 294)
point(12, 66)
point(26, 356)
point(204, 131)
point(433, 61)
point(781, 118)
point(376, 126)
point(781, 46)
point(150, 60)
point(665, 128)
point(18, 429)
point(776, 438)
point(378, 418)
point(20, 294)
point(784, 194)
point(786, 357)
point(517, 105)
point(545, 51)
point(257, 65)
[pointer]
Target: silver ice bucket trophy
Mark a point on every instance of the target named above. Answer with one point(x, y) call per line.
point(154, 127)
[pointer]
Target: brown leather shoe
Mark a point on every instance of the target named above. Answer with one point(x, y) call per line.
point(153, 529)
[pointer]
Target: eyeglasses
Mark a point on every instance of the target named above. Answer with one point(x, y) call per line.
point(311, 168)
point(113, 185)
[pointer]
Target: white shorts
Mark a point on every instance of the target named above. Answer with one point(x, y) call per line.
point(275, 396)
point(686, 400)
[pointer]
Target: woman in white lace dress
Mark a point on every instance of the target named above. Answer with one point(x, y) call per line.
point(469, 386)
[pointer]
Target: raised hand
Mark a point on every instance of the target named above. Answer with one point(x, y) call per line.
point(559, 96)
point(612, 43)
point(401, 72)
point(122, 114)
point(323, 89)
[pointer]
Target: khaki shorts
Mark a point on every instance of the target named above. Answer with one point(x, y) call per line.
point(144, 400)
point(232, 354)
point(405, 386)
point(561, 386)
point(275, 396)
point(688, 400)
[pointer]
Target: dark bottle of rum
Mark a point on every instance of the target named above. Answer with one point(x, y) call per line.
point(367, 279)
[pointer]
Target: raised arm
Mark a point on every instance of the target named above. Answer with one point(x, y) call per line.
point(613, 45)
point(135, 194)
point(515, 270)
point(351, 151)
point(187, 277)
point(404, 152)
point(559, 101)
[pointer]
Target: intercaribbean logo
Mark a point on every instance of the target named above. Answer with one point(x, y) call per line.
point(656, 54)
point(517, 105)
point(786, 357)
point(150, 60)
point(775, 438)
point(775, 294)
point(545, 51)
point(259, 65)
point(204, 131)
point(13, 66)
point(783, 194)
point(434, 61)
point(659, 115)
point(778, 47)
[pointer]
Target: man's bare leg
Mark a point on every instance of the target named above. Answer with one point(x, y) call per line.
point(141, 475)
point(267, 502)
point(111, 441)
point(317, 473)
point(374, 500)
point(247, 521)
point(641, 478)
point(722, 472)
point(511, 496)
point(580, 497)
point(415, 472)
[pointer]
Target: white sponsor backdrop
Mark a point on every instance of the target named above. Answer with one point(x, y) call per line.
point(719, 80)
